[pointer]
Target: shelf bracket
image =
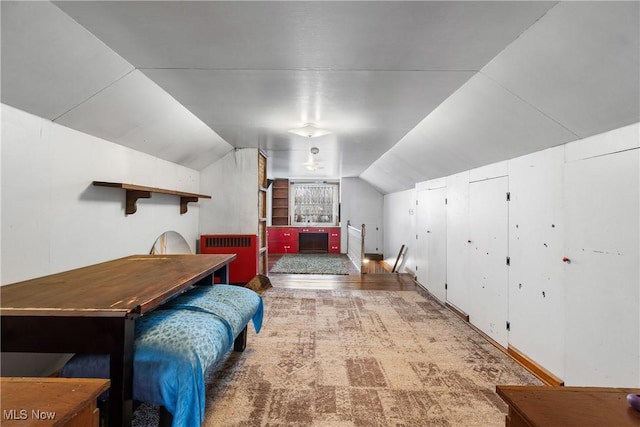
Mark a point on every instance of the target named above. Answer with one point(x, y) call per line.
point(183, 203)
point(132, 198)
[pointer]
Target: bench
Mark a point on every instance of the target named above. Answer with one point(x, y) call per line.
point(176, 344)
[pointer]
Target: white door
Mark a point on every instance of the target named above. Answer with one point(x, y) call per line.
point(488, 243)
point(372, 243)
point(457, 213)
point(436, 242)
point(422, 257)
point(601, 275)
point(536, 248)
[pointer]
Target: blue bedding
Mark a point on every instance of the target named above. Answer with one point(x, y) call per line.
point(235, 304)
point(175, 346)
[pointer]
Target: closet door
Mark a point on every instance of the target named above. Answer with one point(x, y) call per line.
point(457, 213)
point(536, 248)
point(431, 238)
point(422, 257)
point(436, 242)
point(601, 276)
point(488, 244)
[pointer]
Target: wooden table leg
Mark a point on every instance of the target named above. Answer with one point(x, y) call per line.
point(121, 373)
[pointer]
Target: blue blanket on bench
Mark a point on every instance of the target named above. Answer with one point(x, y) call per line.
point(175, 346)
point(235, 304)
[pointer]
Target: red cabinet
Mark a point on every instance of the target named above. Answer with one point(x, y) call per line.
point(334, 240)
point(284, 240)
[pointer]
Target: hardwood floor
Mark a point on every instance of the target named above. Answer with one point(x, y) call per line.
point(377, 280)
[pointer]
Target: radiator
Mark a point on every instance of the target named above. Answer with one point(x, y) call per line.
point(245, 246)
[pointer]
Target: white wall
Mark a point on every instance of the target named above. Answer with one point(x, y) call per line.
point(579, 320)
point(362, 204)
point(53, 219)
point(232, 183)
point(399, 224)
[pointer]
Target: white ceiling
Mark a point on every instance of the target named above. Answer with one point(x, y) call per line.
point(411, 90)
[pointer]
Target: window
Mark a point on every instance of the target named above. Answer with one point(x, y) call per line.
point(314, 204)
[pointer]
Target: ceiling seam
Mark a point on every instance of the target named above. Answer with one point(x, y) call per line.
point(531, 105)
point(92, 95)
point(475, 70)
point(521, 34)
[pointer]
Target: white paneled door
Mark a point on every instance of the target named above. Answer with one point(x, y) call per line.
point(601, 271)
point(488, 251)
point(422, 258)
point(536, 248)
point(432, 241)
point(372, 238)
point(436, 242)
point(457, 247)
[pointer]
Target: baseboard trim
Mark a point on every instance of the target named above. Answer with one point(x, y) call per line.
point(523, 360)
point(464, 316)
point(545, 376)
point(489, 339)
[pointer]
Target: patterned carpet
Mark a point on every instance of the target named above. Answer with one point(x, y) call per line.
point(360, 358)
point(311, 264)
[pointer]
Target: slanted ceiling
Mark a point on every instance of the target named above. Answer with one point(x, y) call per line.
point(411, 90)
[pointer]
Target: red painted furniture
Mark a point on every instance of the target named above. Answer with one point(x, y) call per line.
point(286, 240)
point(245, 246)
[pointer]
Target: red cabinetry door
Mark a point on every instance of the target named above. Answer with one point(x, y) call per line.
point(334, 240)
point(283, 240)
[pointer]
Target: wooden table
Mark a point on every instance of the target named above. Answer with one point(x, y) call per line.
point(93, 310)
point(568, 406)
point(50, 402)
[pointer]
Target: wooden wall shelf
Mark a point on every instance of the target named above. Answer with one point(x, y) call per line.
point(135, 192)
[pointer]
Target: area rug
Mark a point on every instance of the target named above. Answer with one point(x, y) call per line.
point(311, 264)
point(362, 359)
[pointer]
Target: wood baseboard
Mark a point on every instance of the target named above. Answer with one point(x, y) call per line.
point(541, 373)
point(464, 316)
point(545, 376)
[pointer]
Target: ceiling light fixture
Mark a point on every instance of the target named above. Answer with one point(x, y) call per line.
point(312, 164)
point(310, 131)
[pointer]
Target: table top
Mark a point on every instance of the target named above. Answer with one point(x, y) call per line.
point(46, 402)
point(571, 406)
point(117, 288)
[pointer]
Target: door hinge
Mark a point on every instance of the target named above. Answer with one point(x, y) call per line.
point(508, 196)
point(446, 286)
point(508, 260)
point(416, 237)
point(445, 201)
point(508, 326)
